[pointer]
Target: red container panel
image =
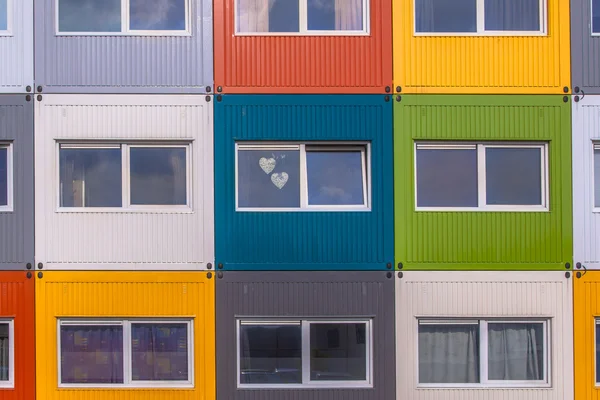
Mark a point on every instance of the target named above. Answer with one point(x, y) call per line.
point(303, 64)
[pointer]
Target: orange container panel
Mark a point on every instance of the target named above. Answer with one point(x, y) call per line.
point(303, 64)
point(17, 304)
point(477, 64)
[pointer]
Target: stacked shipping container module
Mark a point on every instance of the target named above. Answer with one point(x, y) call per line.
point(16, 46)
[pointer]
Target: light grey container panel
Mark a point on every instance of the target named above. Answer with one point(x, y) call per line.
point(585, 49)
point(16, 219)
point(16, 46)
point(310, 295)
point(124, 63)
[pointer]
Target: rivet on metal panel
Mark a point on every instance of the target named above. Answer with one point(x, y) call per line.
point(398, 89)
point(208, 99)
point(578, 265)
point(400, 265)
point(28, 98)
point(208, 89)
point(400, 275)
point(566, 89)
point(39, 98)
point(39, 89)
point(567, 275)
point(40, 265)
point(220, 266)
point(578, 274)
point(387, 99)
point(388, 89)
point(29, 275)
point(568, 265)
point(29, 265)
point(389, 265)
point(28, 88)
point(576, 99)
point(209, 275)
point(398, 98)
point(566, 99)
point(219, 98)
point(209, 266)
point(40, 275)
point(219, 89)
point(220, 275)
point(389, 275)
point(576, 89)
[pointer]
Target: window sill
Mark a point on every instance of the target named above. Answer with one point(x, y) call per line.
point(481, 34)
point(301, 34)
point(125, 34)
point(125, 387)
point(485, 386)
point(118, 210)
point(337, 385)
point(481, 209)
point(307, 209)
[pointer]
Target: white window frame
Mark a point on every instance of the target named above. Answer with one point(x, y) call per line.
point(303, 24)
point(482, 324)
point(126, 323)
point(307, 383)
point(9, 19)
point(592, 33)
point(303, 148)
point(10, 178)
point(125, 24)
point(481, 31)
point(10, 383)
point(481, 175)
point(126, 205)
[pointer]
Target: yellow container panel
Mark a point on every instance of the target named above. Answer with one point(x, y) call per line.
point(125, 295)
point(587, 310)
point(482, 64)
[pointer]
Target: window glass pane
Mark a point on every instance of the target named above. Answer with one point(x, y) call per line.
point(338, 352)
point(89, 15)
point(447, 178)
point(513, 176)
point(4, 352)
point(157, 15)
point(158, 176)
point(4, 15)
point(446, 15)
point(268, 178)
point(597, 178)
point(91, 354)
point(596, 16)
point(512, 15)
point(159, 352)
point(270, 354)
point(268, 16)
point(90, 177)
point(3, 176)
point(516, 352)
point(335, 177)
point(448, 353)
point(335, 15)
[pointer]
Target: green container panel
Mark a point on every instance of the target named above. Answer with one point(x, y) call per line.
point(483, 240)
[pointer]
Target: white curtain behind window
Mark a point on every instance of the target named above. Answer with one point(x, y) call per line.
point(424, 11)
point(253, 15)
point(515, 352)
point(348, 15)
point(512, 15)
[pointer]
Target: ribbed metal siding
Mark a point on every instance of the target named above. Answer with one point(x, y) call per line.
point(124, 64)
point(484, 240)
point(306, 294)
point(17, 301)
point(304, 240)
point(153, 239)
point(482, 64)
point(16, 51)
point(303, 64)
point(485, 294)
point(585, 48)
point(586, 223)
point(16, 227)
point(122, 295)
point(587, 302)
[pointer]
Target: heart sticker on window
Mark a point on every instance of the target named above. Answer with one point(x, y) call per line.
point(267, 165)
point(279, 180)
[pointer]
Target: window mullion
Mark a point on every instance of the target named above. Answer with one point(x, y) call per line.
point(125, 16)
point(303, 16)
point(127, 353)
point(303, 178)
point(305, 352)
point(483, 352)
point(480, 16)
point(481, 178)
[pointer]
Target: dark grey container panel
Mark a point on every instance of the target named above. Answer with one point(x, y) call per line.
point(585, 49)
point(306, 294)
point(16, 227)
point(124, 64)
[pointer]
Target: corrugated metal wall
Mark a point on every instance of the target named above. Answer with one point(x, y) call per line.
point(102, 295)
point(586, 223)
point(306, 294)
point(17, 301)
point(124, 240)
point(482, 64)
point(124, 64)
point(16, 50)
point(587, 309)
point(303, 64)
point(484, 240)
point(16, 227)
point(304, 240)
point(585, 49)
point(485, 294)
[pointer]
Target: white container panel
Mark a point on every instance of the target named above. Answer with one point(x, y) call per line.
point(153, 239)
point(16, 48)
point(473, 294)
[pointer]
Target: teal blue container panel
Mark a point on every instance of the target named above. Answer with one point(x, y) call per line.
point(304, 240)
